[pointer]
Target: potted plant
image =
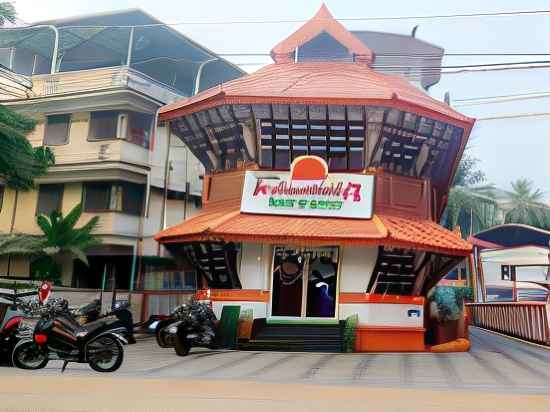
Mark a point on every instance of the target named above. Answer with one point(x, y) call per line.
point(447, 313)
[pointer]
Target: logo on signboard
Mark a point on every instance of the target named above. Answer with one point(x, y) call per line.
point(309, 189)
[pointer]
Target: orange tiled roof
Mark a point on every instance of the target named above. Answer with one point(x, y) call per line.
point(323, 21)
point(231, 225)
point(319, 83)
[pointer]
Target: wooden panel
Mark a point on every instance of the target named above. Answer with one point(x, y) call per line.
point(404, 196)
point(223, 187)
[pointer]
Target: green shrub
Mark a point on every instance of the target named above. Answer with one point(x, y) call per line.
point(449, 301)
point(349, 333)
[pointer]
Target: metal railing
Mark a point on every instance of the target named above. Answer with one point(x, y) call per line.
point(525, 320)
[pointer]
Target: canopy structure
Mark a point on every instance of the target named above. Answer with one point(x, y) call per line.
point(511, 235)
point(122, 38)
point(230, 225)
point(526, 255)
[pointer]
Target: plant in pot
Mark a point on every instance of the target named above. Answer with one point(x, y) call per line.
point(447, 312)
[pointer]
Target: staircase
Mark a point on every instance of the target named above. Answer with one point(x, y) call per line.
point(394, 272)
point(294, 338)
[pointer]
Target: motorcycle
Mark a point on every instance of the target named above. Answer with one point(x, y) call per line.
point(58, 336)
point(13, 311)
point(91, 312)
point(190, 325)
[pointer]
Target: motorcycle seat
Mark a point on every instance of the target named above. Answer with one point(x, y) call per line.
point(90, 327)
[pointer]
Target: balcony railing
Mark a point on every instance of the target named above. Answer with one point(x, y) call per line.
point(63, 83)
point(524, 320)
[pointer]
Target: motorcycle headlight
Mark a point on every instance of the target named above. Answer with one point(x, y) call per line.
point(173, 329)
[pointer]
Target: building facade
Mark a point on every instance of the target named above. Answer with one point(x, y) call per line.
point(95, 84)
point(325, 179)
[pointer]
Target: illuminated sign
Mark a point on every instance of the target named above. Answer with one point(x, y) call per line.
point(308, 190)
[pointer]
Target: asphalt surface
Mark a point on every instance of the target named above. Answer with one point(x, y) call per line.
point(494, 363)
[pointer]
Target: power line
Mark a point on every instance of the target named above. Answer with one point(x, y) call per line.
point(518, 13)
point(500, 96)
point(428, 55)
point(514, 116)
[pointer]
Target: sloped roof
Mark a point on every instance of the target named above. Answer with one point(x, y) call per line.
point(230, 225)
point(512, 235)
point(319, 83)
point(323, 21)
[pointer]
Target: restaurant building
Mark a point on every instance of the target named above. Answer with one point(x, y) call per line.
point(325, 181)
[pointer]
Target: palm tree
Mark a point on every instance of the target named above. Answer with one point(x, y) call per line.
point(524, 205)
point(60, 239)
point(471, 205)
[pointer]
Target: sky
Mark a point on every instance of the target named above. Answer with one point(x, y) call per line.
point(507, 149)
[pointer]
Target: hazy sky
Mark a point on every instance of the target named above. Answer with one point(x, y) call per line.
point(508, 149)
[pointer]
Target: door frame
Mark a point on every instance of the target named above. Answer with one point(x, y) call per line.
point(304, 319)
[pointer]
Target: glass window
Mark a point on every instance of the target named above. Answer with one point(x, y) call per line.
point(304, 282)
point(103, 125)
point(57, 129)
point(97, 196)
point(49, 198)
point(5, 56)
point(499, 294)
point(139, 128)
point(122, 197)
point(132, 198)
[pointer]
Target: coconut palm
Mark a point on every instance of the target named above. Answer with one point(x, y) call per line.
point(471, 205)
point(524, 205)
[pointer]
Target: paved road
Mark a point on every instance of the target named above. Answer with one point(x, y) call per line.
point(495, 363)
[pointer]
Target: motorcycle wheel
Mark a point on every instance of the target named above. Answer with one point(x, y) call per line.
point(182, 347)
point(30, 356)
point(97, 351)
point(161, 335)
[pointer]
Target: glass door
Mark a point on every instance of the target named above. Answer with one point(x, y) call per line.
point(304, 283)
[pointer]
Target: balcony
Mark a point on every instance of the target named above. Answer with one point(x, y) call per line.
point(102, 79)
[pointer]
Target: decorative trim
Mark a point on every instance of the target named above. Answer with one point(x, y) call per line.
point(234, 295)
point(352, 297)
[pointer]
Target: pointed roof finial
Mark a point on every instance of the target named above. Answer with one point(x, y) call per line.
point(322, 21)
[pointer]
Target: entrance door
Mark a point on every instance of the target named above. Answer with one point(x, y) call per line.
point(304, 282)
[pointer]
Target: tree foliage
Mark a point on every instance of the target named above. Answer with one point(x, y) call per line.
point(7, 12)
point(471, 204)
point(524, 205)
point(60, 238)
point(20, 163)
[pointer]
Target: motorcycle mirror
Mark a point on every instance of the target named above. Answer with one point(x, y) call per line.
point(44, 292)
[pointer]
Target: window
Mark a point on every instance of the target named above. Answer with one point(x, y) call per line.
point(304, 282)
point(139, 128)
point(57, 129)
point(339, 142)
point(135, 127)
point(103, 125)
point(122, 197)
point(49, 198)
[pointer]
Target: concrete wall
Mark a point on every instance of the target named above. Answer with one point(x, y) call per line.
point(356, 268)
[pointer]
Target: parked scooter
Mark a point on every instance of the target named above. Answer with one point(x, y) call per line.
point(57, 335)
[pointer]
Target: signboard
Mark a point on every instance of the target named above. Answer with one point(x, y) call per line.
point(308, 190)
